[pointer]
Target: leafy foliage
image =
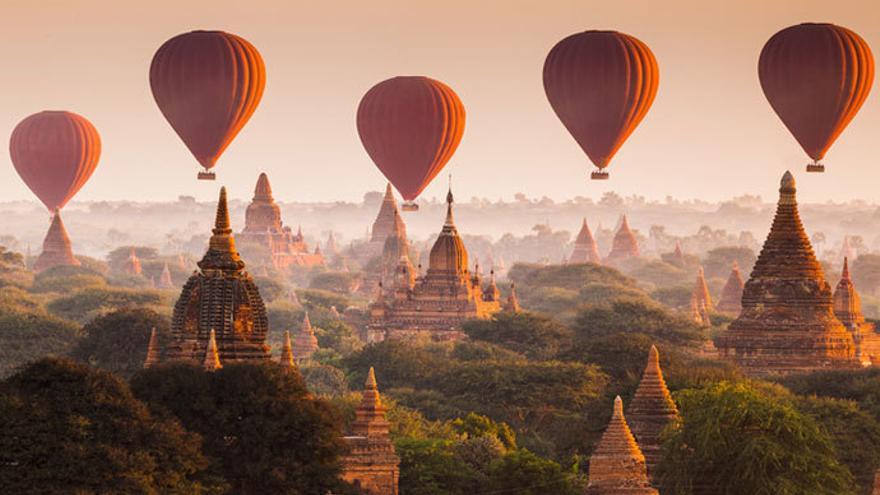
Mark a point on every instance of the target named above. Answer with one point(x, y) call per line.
point(737, 439)
point(71, 429)
point(535, 336)
point(262, 431)
point(86, 304)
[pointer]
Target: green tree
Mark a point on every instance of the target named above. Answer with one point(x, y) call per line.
point(85, 304)
point(719, 261)
point(737, 439)
point(627, 316)
point(522, 472)
point(398, 363)
point(432, 467)
point(68, 428)
point(537, 337)
point(866, 273)
point(27, 334)
point(263, 432)
point(118, 341)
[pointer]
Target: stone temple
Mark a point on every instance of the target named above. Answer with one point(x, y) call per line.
point(787, 324)
point(848, 309)
point(435, 304)
point(624, 245)
point(617, 465)
point(651, 411)
point(371, 464)
point(219, 300)
point(263, 227)
point(731, 294)
point(585, 248)
point(57, 250)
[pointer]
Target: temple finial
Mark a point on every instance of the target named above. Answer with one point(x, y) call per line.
point(221, 222)
point(212, 357)
point(371, 380)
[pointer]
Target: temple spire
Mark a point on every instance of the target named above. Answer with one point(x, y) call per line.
point(263, 190)
point(165, 281)
point(57, 248)
point(450, 221)
point(212, 357)
point(221, 254)
point(370, 419)
point(651, 410)
point(152, 350)
point(617, 465)
point(624, 245)
point(286, 359)
point(731, 295)
point(585, 248)
point(512, 303)
point(305, 342)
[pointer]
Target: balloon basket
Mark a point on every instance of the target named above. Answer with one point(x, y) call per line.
point(207, 176)
point(599, 175)
point(815, 167)
point(409, 206)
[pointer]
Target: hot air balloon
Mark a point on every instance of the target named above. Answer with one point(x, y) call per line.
point(55, 153)
point(410, 127)
point(816, 77)
point(207, 85)
point(600, 84)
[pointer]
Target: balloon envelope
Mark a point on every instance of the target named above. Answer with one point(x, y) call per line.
point(600, 84)
point(410, 127)
point(816, 77)
point(55, 153)
point(207, 85)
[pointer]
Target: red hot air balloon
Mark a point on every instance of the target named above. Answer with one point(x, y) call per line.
point(600, 84)
point(55, 153)
point(816, 77)
point(410, 127)
point(207, 85)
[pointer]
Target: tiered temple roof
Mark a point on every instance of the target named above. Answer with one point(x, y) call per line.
point(625, 245)
point(263, 226)
point(787, 324)
point(701, 300)
point(220, 298)
point(56, 247)
point(585, 248)
point(286, 359)
point(651, 410)
point(437, 303)
point(617, 465)
point(731, 295)
point(305, 343)
point(848, 309)
point(371, 464)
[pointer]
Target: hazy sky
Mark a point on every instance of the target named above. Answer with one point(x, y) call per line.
point(710, 133)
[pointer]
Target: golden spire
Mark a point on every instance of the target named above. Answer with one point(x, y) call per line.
point(222, 254)
point(450, 221)
point(286, 358)
point(846, 301)
point(370, 383)
point(152, 350)
point(212, 357)
point(512, 303)
point(651, 409)
point(617, 462)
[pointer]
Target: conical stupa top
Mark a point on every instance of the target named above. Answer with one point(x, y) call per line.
point(787, 252)
point(624, 245)
point(701, 290)
point(512, 303)
point(585, 248)
point(152, 350)
point(731, 294)
point(221, 254)
point(165, 281)
point(306, 323)
point(370, 383)
point(212, 357)
point(382, 225)
point(263, 190)
point(286, 360)
point(847, 303)
point(652, 397)
point(450, 221)
point(617, 462)
point(57, 248)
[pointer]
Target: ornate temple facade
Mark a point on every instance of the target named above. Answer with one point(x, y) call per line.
point(731, 294)
point(57, 250)
point(617, 465)
point(585, 248)
point(787, 324)
point(624, 245)
point(651, 411)
point(263, 227)
point(848, 309)
point(434, 304)
point(219, 307)
point(371, 464)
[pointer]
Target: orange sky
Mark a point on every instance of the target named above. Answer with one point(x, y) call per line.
point(710, 133)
